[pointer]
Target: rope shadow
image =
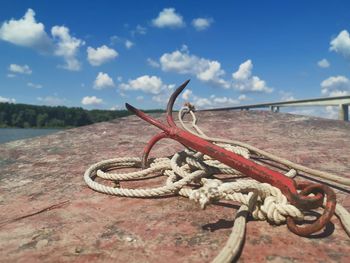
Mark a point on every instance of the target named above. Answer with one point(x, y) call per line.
point(220, 224)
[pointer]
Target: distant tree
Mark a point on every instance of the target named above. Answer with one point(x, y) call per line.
point(41, 120)
point(25, 116)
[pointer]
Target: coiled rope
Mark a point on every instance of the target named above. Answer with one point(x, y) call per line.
point(261, 200)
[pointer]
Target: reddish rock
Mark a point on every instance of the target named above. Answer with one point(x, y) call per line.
point(39, 175)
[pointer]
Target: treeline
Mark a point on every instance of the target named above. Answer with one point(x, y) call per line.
point(32, 116)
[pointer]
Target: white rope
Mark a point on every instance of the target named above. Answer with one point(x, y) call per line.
point(334, 179)
point(264, 201)
point(261, 200)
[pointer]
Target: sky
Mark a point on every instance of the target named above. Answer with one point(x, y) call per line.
point(101, 54)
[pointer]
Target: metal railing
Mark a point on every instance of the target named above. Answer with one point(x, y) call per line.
point(342, 102)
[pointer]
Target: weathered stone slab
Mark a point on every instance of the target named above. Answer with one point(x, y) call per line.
point(39, 173)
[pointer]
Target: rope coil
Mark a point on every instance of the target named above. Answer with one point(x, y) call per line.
point(261, 200)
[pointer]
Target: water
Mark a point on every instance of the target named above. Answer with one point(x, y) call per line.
point(12, 134)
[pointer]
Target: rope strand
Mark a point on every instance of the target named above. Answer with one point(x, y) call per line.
point(261, 200)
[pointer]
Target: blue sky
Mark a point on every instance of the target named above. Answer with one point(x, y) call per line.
point(101, 54)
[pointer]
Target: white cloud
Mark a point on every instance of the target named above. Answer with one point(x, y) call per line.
point(244, 71)
point(153, 63)
point(139, 30)
point(10, 75)
point(341, 44)
point(168, 18)
point(146, 83)
point(211, 102)
point(35, 86)
point(8, 100)
point(186, 94)
point(26, 32)
point(25, 69)
point(201, 24)
point(336, 86)
point(214, 101)
point(323, 63)
point(242, 97)
point(103, 80)
point(202, 102)
point(211, 72)
point(139, 98)
point(223, 101)
point(286, 96)
point(67, 47)
point(160, 99)
point(52, 100)
point(100, 55)
point(129, 44)
point(116, 107)
point(244, 81)
point(182, 62)
point(93, 100)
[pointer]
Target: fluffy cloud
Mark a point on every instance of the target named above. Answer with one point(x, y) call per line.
point(201, 24)
point(186, 94)
point(168, 18)
point(103, 80)
point(129, 44)
point(93, 100)
point(147, 84)
point(243, 97)
point(244, 81)
point(341, 44)
point(323, 63)
point(100, 55)
point(182, 62)
point(25, 69)
point(8, 100)
point(244, 71)
point(212, 101)
point(153, 63)
point(26, 32)
point(335, 86)
point(67, 47)
point(35, 86)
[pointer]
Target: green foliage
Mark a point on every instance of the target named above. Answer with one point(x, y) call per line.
point(31, 116)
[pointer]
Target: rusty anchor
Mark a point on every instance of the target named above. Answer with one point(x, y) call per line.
point(288, 186)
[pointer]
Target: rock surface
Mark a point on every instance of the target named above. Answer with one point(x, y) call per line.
point(48, 214)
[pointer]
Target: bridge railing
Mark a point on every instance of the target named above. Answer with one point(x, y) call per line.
point(342, 102)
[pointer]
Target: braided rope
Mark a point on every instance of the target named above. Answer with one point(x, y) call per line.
point(261, 200)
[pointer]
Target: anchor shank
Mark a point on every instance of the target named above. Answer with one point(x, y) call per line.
point(241, 164)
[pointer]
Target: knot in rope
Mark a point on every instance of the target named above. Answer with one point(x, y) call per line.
point(192, 174)
point(208, 193)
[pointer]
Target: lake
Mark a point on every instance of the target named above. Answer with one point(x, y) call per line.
point(12, 134)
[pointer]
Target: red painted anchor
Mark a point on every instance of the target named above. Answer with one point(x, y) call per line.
point(288, 186)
